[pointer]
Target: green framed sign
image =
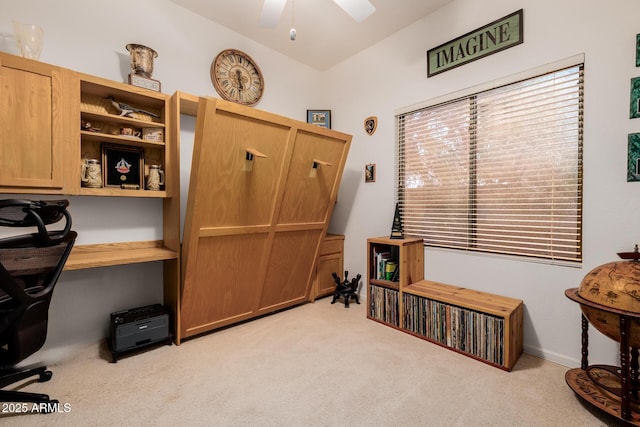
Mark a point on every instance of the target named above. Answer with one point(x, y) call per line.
point(499, 35)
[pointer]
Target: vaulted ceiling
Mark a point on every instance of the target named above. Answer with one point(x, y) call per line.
point(325, 34)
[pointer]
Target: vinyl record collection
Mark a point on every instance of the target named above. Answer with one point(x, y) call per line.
point(468, 331)
point(383, 305)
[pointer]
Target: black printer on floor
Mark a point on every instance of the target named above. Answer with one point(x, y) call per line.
point(138, 328)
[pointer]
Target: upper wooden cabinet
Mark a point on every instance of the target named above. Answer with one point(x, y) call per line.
point(34, 125)
point(261, 194)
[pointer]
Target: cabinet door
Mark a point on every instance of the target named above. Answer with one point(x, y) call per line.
point(31, 150)
point(327, 265)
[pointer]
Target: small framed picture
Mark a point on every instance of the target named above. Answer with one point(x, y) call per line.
point(633, 157)
point(319, 118)
point(634, 111)
point(637, 50)
point(123, 167)
point(370, 173)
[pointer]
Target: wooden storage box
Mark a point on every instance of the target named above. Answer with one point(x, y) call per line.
point(484, 326)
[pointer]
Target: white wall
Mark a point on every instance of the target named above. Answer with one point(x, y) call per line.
point(392, 75)
point(378, 81)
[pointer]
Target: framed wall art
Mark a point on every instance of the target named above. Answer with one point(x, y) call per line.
point(123, 167)
point(637, 50)
point(370, 173)
point(319, 118)
point(633, 158)
point(370, 124)
point(634, 104)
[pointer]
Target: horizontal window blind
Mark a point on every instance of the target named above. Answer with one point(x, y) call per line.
point(497, 171)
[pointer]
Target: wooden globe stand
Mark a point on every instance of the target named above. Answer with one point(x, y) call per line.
point(614, 390)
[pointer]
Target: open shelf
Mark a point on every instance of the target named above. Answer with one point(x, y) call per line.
point(129, 144)
point(114, 118)
point(385, 284)
point(108, 254)
point(118, 192)
point(131, 141)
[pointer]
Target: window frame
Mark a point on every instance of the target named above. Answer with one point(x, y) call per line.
point(466, 95)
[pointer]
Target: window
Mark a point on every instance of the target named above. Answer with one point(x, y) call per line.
point(498, 170)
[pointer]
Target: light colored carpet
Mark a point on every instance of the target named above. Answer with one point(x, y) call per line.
point(315, 365)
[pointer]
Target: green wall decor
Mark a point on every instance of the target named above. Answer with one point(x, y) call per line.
point(634, 104)
point(633, 158)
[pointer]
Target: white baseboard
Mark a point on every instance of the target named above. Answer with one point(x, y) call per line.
point(551, 356)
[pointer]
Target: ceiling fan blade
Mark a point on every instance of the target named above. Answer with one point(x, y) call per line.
point(358, 9)
point(271, 12)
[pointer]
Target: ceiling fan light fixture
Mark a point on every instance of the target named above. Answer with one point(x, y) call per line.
point(357, 9)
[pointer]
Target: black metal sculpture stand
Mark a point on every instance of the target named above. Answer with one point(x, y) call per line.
point(346, 289)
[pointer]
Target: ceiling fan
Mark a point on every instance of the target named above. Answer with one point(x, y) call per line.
point(359, 10)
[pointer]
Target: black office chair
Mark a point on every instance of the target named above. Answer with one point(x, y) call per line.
point(30, 265)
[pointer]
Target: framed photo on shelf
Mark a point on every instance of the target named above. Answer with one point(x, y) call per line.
point(370, 172)
point(319, 118)
point(123, 167)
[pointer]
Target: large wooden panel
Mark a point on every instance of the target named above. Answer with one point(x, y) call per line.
point(256, 200)
point(31, 152)
point(224, 171)
point(290, 267)
point(225, 271)
point(308, 190)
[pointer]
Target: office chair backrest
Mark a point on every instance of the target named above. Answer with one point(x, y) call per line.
point(30, 265)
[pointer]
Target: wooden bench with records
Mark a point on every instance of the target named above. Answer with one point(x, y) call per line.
point(477, 324)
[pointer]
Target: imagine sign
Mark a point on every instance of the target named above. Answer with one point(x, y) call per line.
point(499, 35)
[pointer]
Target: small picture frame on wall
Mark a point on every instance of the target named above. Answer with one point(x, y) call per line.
point(637, 50)
point(634, 104)
point(319, 118)
point(123, 167)
point(370, 173)
point(633, 158)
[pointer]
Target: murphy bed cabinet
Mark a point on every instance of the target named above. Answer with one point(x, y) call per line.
point(477, 324)
point(261, 194)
